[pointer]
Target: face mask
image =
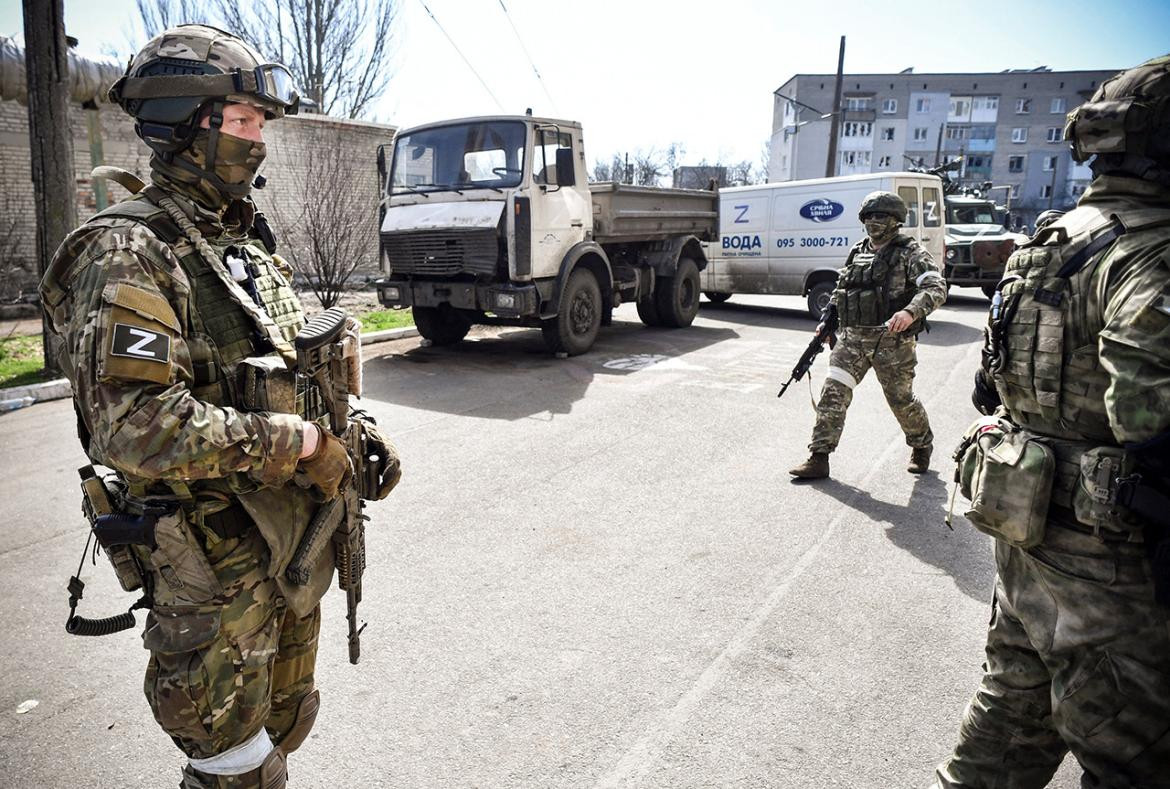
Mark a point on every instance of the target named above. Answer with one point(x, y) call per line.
point(881, 230)
point(235, 165)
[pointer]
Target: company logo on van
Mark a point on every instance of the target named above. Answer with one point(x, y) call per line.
point(821, 210)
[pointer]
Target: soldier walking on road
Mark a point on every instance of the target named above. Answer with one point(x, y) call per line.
point(1077, 463)
point(174, 321)
point(888, 286)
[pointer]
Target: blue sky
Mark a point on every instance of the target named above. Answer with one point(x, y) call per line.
point(641, 74)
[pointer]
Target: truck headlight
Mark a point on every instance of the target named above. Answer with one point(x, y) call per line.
point(506, 301)
point(950, 254)
point(391, 294)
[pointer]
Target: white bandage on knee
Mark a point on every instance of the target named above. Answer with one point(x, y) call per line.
point(238, 759)
point(841, 375)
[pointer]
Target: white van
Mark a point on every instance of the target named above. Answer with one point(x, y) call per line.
point(789, 238)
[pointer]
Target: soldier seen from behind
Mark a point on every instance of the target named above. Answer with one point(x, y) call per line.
point(888, 286)
point(174, 321)
point(1070, 471)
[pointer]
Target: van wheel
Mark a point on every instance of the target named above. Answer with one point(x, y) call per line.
point(716, 298)
point(442, 325)
point(575, 327)
point(818, 297)
point(677, 297)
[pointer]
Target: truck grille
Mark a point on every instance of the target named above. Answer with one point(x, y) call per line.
point(442, 252)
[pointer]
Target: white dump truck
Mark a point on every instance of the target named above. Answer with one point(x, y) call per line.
point(492, 220)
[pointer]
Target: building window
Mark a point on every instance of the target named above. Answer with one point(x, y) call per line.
point(1015, 191)
point(1015, 164)
point(890, 106)
point(1023, 106)
point(988, 103)
point(884, 161)
point(1055, 133)
point(888, 133)
point(982, 132)
point(1020, 134)
point(856, 129)
point(1046, 190)
point(922, 105)
point(978, 162)
point(783, 161)
point(957, 132)
point(920, 133)
point(1049, 164)
point(856, 103)
point(855, 159)
point(1059, 106)
point(960, 108)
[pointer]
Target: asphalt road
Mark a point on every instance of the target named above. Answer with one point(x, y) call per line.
point(595, 573)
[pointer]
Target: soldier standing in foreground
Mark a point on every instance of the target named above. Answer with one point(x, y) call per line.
point(173, 320)
point(885, 291)
point(1071, 473)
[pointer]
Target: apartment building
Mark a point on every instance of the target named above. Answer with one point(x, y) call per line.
point(1004, 127)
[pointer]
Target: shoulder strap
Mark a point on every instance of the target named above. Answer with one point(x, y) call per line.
point(146, 213)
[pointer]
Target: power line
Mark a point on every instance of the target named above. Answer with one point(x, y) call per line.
point(528, 55)
point(460, 52)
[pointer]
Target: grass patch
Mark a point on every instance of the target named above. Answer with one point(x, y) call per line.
point(385, 319)
point(21, 361)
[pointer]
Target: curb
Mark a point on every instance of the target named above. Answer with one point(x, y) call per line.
point(17, 397)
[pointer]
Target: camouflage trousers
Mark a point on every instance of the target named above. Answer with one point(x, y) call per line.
point(893, 359)
point(220, 672)
point(1078, 657)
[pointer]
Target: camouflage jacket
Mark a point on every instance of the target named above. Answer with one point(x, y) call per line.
point(116, 298)
point(912, 282)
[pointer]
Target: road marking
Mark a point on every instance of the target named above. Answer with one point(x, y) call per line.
point(637, 762)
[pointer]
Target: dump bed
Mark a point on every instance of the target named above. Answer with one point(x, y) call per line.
point(624, 213)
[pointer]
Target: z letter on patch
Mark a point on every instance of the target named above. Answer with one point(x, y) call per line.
point(134, 342)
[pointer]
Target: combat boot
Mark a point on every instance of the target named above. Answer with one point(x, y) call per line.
point(816, 467)
point(919, 460)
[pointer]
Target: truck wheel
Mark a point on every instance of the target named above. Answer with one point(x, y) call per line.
point(818, 297)
point(575, 327)
point(716, 298)
point(677, 297)
point(442, 325)
point(988, 290)
point(648, 311)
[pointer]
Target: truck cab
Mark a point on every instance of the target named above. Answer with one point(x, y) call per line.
point(977, 243)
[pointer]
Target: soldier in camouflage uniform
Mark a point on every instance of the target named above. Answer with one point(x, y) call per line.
point(166, 309)
point(888, 286)
point(1078, 351)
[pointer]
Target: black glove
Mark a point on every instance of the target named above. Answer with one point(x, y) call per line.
point(381, 475)
point(984, 396)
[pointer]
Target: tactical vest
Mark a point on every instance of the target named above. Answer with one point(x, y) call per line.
point(1042, 338)
point(222, 333)
point(865, 286)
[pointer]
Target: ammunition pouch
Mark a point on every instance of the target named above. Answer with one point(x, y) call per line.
point(1007, 474)
point(266, 384)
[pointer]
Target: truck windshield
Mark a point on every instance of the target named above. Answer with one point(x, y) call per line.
point(977, 214)
point(483, 155)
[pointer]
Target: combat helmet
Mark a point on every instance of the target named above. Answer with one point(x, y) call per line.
point(188, 68)
point(1126, 124)
point(882, 202)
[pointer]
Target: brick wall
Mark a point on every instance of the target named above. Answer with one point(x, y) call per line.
point(295, 148)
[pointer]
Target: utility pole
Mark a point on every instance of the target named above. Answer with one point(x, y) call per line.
point(46, 60)
point(835, 124)
point(1052, 188)
point(938, 145)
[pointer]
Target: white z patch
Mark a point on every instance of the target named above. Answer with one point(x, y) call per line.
point(135, 342)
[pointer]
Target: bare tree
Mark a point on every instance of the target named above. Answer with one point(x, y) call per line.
point(158, 15)
point(602, 171)
point(741, 174)
point(765, 160)
point(649, 167)
point(327, 230)
point(338, 50)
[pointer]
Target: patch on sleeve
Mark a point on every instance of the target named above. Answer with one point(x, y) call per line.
point(140, 330)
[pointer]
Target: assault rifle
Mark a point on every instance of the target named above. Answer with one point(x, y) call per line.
point(324, 355)
point(829, 322)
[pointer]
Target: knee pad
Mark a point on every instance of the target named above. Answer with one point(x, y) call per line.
point(271, 774)
point(306, 717)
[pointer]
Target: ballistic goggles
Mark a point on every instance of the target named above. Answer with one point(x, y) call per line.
point(271, 83)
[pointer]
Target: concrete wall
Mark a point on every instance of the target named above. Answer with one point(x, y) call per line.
point(107, 136)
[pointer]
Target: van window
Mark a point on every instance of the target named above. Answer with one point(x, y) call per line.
point(931, 209)
point(909, 195)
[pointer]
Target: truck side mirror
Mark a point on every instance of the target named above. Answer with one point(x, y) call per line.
point(565, 176)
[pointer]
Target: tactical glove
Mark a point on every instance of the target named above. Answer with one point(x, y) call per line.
point(329, 467)
point(382, 474)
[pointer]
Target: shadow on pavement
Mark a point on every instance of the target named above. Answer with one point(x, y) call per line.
point(509, 374)
point(758, 315)
point(917, 527)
